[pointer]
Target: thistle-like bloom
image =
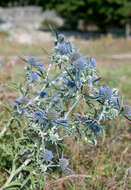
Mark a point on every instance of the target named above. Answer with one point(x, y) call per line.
point(43, 94)
point(64, 48)
point(105, 93)
point(80, 63)
point(33, 77)
point(93, 62)
point(115, 101)
point(39, 117)
point(39, 66)
point(20, 102)
point(46, 156)
point(61, 38)
point(68, 83)
point(63, 162)
point(95, 128)
point(127, 110)
point(75, 55)
point(71, 84)
point(32, 60)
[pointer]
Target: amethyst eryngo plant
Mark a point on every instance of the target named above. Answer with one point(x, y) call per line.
point(48, 105)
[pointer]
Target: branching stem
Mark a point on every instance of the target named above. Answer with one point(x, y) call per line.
point(71, 108)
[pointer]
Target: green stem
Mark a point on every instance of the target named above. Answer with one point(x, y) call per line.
point(14, 173)
point(6, 127)
point(71, 108)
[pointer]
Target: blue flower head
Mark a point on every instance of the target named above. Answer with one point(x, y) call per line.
point(61, 38)
point(115, 101)
point(105, 93)
point(39, 117)
point(21, 101)
point(33, 77)
point(19, 104)
point(38, 114)
point(43, 94)
point(63, 162)
point(74, 56)
point(46, 156)
point(64, 48)
point(126, 110)
point(71, 84)
point(80, 63)
point(32, 60)
point(95, 128)
point(93, 62)
point(39, 66)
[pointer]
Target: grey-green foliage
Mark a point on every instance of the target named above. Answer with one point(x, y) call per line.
point(45, 114)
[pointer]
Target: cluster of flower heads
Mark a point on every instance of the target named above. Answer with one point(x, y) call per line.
point(48, 101)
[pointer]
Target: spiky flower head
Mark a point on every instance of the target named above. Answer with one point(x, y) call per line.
point(63, 162)
point(32, 60)
point(43, 94)
point(95, 128)
point(80, 63)
point(46, 155)
point(39, 66)
point(127, 110)
point(74, 55)
point(64, 48)
point(105, 93)
point(61, 38)
point(33, 77)
point(92, 62)
point(39, 117)
point(21, 101)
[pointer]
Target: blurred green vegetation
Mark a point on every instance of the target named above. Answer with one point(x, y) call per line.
point(103, 13)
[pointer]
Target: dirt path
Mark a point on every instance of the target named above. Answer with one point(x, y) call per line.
point(121, 56)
